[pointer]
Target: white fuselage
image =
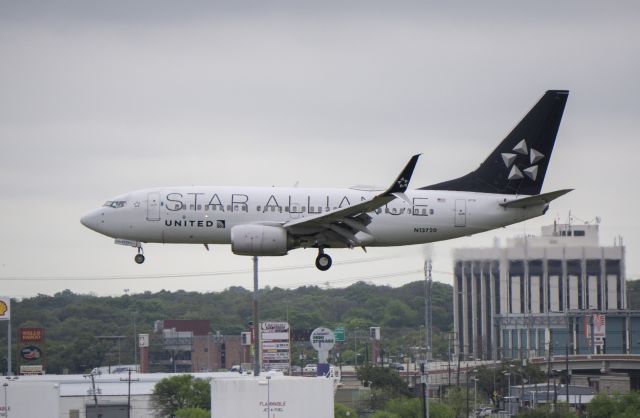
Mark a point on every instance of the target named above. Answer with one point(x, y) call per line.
point(206, 214)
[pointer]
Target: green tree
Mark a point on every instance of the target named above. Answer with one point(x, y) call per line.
point(71, 320)
point(385, 414)
point(385, 384)
point(457, 400)
point(490, 379)
point(178, 392)
point(341, 411)
point(614, 406)
point(193, 413)
point(560, 411)
point(412, 407)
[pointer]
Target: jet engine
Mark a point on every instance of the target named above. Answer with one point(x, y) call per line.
point(259, 240)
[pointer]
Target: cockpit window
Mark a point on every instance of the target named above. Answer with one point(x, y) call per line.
point(115, 203)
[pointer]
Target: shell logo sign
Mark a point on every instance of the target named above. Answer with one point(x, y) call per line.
point(5, 309)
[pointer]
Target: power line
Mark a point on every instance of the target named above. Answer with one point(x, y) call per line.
point(183, 275)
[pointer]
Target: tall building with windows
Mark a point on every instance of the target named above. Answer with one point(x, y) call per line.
point(559, 291)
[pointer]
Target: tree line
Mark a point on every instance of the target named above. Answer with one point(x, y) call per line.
point(73, 321)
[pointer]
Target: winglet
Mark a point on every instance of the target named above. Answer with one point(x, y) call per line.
point(400, 185)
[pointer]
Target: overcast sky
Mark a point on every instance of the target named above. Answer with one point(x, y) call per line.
point(100, 98)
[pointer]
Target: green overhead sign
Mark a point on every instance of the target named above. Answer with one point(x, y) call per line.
point(339, 334)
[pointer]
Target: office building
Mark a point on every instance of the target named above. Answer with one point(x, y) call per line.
point(559, 291)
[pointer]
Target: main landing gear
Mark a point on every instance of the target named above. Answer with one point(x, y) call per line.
point(139, 258)
point(323, 261)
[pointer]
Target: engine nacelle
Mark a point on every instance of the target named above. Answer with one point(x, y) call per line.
point(258, 240)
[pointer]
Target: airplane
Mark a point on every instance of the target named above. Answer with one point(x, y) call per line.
point(271, 221)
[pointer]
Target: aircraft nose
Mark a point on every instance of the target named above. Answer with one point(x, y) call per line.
point(90, 220)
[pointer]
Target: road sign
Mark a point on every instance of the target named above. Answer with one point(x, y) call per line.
point(339, 334)
point(322, 339)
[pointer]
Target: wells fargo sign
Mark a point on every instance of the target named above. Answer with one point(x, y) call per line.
point(31, 335)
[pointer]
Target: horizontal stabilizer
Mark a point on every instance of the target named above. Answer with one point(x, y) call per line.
point(536, 200)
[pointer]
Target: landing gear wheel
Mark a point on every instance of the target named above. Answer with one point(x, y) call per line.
point(139, 258)
point(323, 262)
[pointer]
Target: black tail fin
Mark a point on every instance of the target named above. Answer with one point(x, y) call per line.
point(518, 165)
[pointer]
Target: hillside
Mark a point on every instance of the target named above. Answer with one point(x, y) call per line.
point(72, 321)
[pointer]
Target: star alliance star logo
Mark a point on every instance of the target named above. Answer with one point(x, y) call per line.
point(403, 183)
point(521, 148)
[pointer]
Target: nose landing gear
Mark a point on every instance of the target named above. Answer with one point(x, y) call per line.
point(323, 261)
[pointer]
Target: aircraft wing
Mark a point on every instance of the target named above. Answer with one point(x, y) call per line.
point(342, 224)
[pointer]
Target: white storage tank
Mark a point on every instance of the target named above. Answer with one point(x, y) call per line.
point(273, 397)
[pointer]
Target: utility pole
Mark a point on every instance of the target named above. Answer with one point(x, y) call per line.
point(256, 325)
point(466, 373)
point(135, 342)
point(567, 366)
point(95, 394)
point(116, 338)
point(427, 325)
point(423, 384)
point(129, 380)
point(449, 359)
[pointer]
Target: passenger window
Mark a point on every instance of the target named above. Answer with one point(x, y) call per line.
point(199, 207)
point(304, 208)
point(229, 208)
point(258, 208)
point(431, 212)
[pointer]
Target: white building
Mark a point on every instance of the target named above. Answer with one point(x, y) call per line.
point(540, 292)
point(114, 396)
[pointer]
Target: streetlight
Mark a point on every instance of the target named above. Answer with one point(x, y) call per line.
point(6, 407)
point(268, 383)
point(508, 374)
point(268, 396)
point(466, 372)
point(475, 390)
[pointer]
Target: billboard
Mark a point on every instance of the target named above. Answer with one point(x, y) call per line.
point(31, 370)
point(5, 308)
point(31, 335)
point(31, 350)
point(275, 345)
point(599, 324)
